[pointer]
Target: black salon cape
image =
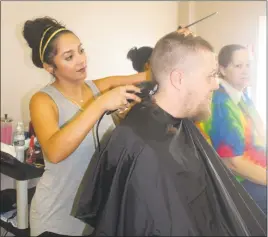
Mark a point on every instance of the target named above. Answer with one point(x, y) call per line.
point(157, 176)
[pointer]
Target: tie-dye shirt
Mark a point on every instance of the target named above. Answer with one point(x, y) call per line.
point(231, 131)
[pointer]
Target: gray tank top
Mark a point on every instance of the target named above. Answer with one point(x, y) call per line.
point(56, 190)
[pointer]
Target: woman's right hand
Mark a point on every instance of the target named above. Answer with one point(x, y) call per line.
point(117, 98)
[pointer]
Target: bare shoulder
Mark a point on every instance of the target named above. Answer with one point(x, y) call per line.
point(42, 100)
point(41, 96)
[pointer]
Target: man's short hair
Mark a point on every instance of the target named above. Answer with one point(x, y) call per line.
point(173, 49)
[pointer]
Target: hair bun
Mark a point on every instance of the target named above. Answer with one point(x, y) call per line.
point(132, 54)
point(34, 29)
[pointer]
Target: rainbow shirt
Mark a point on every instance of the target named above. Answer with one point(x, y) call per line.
point(231, 131)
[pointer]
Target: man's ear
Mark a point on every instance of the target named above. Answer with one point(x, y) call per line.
point(49, 68)
point(176, 77)
point(222, 70)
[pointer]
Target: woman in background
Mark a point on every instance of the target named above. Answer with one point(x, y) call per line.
point(235, 129)
point(140, 63)
point(63, 115)
point(140, 58)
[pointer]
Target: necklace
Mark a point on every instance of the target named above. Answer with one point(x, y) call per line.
point(73, 100)
point(78, 105)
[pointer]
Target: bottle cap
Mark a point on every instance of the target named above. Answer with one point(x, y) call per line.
point(6, 119)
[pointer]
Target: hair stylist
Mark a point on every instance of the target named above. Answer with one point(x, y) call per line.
point(63, 116)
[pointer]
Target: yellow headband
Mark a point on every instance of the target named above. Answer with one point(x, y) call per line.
point(41, 54)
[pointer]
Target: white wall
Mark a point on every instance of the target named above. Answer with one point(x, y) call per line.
point(236, 23)
point(107, 29)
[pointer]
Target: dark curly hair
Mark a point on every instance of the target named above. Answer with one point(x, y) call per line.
point(33, 31)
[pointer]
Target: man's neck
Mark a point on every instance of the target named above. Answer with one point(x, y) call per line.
point(166, 102)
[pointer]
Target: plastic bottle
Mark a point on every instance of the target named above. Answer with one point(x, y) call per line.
point(6, 130)
point(19, 141)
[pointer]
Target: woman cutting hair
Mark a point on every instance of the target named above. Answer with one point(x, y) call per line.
point(235, 129)
point(63, 115)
